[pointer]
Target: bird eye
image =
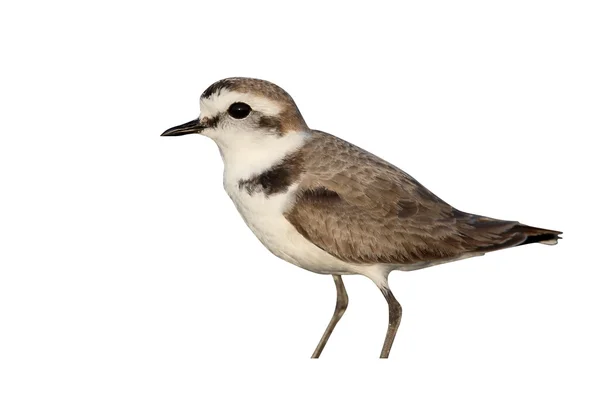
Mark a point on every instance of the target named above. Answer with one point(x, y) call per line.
point(239, 110)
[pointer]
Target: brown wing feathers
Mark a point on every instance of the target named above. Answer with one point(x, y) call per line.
point(361, 209)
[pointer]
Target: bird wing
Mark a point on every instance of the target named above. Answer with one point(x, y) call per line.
point(363, 210)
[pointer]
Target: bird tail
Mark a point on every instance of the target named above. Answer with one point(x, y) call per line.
point(536, 235)
point(489, 234)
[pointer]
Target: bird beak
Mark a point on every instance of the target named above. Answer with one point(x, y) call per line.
point(194, 126)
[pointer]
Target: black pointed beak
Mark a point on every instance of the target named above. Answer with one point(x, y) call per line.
point(184, 129)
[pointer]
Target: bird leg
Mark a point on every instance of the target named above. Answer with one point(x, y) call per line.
point(340, 306)
point(394, 321)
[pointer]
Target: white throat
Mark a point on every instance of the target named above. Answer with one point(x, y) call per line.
point(246, 154)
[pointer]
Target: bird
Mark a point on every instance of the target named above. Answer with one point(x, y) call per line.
point(330, 207)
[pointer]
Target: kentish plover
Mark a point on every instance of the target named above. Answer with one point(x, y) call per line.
point(330, 207)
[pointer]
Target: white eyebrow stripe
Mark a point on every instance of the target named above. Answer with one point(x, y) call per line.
point(220, 102)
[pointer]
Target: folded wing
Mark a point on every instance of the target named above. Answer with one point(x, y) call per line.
point(364, 210)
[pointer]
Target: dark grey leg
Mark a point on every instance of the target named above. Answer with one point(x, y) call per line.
point(340, 306)
point(394, 321)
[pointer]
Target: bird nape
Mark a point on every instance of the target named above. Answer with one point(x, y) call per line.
point(330, 207)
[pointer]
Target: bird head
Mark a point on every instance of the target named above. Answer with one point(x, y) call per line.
point(237, 110)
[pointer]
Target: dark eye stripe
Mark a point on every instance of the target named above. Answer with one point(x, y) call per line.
point(270, 123)
point(212, 122)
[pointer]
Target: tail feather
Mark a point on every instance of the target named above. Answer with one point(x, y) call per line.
point(537, 235)
point(489, 234)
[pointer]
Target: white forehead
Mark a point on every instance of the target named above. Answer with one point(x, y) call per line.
point(220, 102)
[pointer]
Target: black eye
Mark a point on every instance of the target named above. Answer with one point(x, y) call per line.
point(239, 110)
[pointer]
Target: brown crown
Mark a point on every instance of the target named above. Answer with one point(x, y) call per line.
point(289, 119)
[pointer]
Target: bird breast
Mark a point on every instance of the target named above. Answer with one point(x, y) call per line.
point(264, 215)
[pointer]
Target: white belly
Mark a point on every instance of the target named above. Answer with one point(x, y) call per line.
point(264, 216)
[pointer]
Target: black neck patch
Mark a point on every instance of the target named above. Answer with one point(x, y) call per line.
point(276, 179)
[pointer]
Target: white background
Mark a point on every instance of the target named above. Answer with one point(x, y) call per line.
point(126, 272)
